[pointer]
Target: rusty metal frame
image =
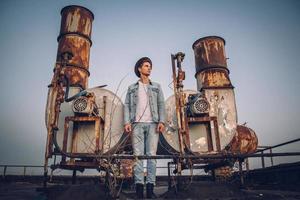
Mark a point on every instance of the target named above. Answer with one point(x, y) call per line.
point(207, 121)
point(98, 123)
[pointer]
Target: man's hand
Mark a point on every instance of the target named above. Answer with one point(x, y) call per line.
point(160, 128)
point(127, 128)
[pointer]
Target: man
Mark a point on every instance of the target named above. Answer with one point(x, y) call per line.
point(144, 117)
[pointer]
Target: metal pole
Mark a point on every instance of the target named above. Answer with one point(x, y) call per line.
point(24, 171)
point(241, 172)
point(262, 160)
point(247, 164)
point(278, 145)
point(169, 176)
point(4, 171)
point(74, 177)
point(271, 157)
point(52, 169)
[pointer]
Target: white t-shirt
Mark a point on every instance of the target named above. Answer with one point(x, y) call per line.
point(143, 113)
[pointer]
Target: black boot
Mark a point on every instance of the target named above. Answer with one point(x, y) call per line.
point(149, 192)
point(139, 188)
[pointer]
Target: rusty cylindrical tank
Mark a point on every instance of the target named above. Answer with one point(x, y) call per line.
point(244, 141)
point(211, 65)
point(212, 77)
point(75, 37)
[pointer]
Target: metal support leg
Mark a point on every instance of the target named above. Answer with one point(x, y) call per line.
point(213, 174)
point(262, 160)
point(169, 176)
point(74, 177)
point(4, 172)
point(271, 158)
point(241, 172)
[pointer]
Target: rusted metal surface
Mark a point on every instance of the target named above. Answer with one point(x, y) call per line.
point(244, 141)
point(222, 106)
point(213, 78)
point(209, 52)
point(126, 168)
point(178, 77)
point(203, 137)
point(85, 105)
point(76, 19)
point(111, 111)
point(210, 62)
point(169, 142)
point(82, 136)
point(94, 146)
point(75, 37)
point(200, 131)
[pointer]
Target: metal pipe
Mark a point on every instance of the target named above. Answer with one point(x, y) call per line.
point(271, 158)
point(210, 62)
point(262, 160)
point(75, 37)
point(241, 172)
point(279, 145)
point(4, 171)
point(213, 81)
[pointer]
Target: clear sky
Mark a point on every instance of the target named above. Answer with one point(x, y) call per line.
point(262, 44)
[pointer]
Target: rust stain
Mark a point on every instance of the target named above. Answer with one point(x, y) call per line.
point(80, 48)
point(244, 141)
point(76, 19)
point(126, 168)
point(214, 78)
point(209, 52)
point(75, 37)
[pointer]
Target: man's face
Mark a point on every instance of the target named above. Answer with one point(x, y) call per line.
point(145, 69)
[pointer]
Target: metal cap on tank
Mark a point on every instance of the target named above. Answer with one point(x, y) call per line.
point(76, 19)
point(209, 52)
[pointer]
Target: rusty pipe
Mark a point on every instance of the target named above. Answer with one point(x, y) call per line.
point(210, 63)
point(75, 37)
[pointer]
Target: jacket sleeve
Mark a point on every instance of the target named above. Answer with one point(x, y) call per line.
point(126, 108)
point(161, 106)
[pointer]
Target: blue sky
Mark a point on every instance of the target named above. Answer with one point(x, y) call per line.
point(262, 44)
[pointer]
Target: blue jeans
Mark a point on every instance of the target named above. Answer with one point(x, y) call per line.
point(144, 140)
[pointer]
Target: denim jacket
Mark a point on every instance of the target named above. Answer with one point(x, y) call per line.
point(156, 102)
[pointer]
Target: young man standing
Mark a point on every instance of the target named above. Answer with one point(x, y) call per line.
point(144, 117)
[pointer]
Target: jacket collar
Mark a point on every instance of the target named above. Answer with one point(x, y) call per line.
point(137, 83)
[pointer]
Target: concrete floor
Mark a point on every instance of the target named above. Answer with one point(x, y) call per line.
point(207, 190)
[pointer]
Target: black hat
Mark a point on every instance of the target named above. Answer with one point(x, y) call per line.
point(139, 63)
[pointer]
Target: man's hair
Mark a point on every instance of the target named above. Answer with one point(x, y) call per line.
point(139, 64)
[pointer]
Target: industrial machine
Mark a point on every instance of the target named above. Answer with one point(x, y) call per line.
point(85, 125)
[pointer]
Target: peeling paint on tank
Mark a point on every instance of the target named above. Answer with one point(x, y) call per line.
point(73, 21)
point(87, 27)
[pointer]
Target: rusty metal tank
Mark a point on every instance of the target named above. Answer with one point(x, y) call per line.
point(75, 37)
point(210, 63)
point(244, 141)
point(213, 79)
